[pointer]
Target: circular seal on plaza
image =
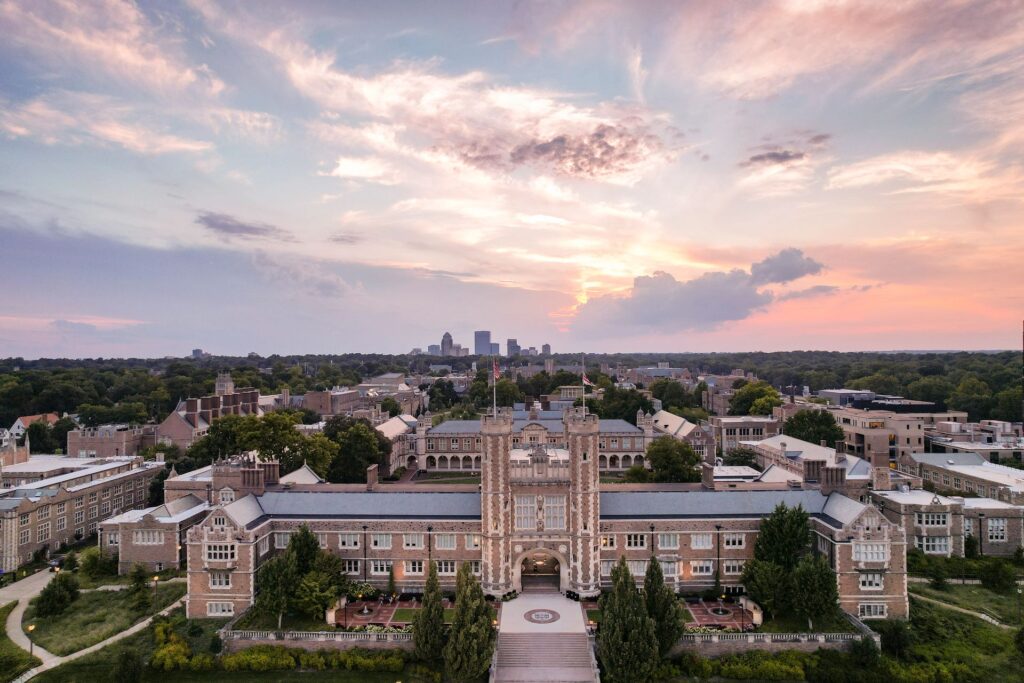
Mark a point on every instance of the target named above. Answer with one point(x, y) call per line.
point(542, 616)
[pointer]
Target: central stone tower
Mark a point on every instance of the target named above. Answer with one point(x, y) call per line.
point(495, 496)
point(581, 432)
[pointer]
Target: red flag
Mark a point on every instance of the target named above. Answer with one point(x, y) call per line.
point(497, 372)
point(586, 380)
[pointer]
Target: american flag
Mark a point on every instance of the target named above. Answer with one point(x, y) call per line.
point(586, 380)
point(497, 372)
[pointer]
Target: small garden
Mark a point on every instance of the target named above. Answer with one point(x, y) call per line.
point(13, 660)
point(64, 619)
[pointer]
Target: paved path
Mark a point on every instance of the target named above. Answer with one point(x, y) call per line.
point(55, 661)
point(23, 591)
point(543, 637)
point(979, 615)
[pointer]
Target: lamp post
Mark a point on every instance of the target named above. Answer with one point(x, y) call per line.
point(718, 549)
point(366, 549)
point(652, 539)
point(429, 530)
point(31, 643)
point(1018, 604)
point(981, 534)
point(156, 579)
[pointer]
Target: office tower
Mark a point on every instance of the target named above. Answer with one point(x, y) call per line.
point(482, 342)
point(495, 349)
point(512, 347)
point(446, 344)
point(546, 349)
point(434, 350)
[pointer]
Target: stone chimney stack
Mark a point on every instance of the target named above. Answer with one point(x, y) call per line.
point(371, 478)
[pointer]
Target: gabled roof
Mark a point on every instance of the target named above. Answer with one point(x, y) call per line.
point(669, 423)
point(303, 475)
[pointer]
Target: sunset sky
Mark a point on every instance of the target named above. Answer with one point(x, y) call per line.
point(326, 177)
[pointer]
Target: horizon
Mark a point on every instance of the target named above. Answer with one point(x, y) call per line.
point(600, 175)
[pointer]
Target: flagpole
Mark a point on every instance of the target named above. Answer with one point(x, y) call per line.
point(494, 384)
point(583, 374)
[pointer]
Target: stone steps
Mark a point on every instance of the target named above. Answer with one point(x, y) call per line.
point(550, 657)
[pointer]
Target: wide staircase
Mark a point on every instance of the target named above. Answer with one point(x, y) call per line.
point(533, 657)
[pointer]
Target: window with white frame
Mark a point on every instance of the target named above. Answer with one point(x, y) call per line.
point(669, 568)
point(608, 541)
point(554, 512)
point(733, 567)
point(870, 552)
point(444, 541)
point(996, 529)
point(412, 541)
point(350, 566)
point(932, 519)
point(702, 568)
point(321, 539)
point(61, 508)
point(220, 579)
point(472, 541)
point(227, 496)
point(871, 610)
point(636, 540)
point(413, 567)
point(147, 537)
point(105, 507)
point(637, 567)
point(474, 565)
point(281, 539)
point(220, 551)
point(734, 540)
point(871, 582)
point(264, 545)
point(219, 521)
point(42, 532)
point(668, 541)
point(348, 540)
point(607, 566)
point(43, 512)
point(446, 567)
point(62, 523)
point(526, 512)
point(380, 567)
point(220, 609)
point(113, 538)
point(968, 527)
point(382, 541)
point(700, 541)
point(79, 517)
point(24, 536)
point(935, 545)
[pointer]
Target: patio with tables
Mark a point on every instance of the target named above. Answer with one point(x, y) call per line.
point(719, 614)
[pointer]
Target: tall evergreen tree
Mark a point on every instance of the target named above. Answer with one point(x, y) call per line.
point(662, 607)
point(467, 655)
point(626, 642)
point(784, 536)
point(428, 624)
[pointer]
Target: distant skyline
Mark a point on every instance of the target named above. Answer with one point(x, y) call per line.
point(322, 177)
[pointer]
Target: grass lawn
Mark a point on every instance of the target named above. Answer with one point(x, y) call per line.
point(1001, 606)
point(405, 614)
point(93, 617)
point(118, 579)
point(255, 621)
point(794, 624)
point(99, 665)
point(594, 615)
point(453, 477)
point(336, 676)
point(13, 660)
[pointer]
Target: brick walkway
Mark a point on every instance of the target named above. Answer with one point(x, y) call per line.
point(704, 614)
point(383, 614)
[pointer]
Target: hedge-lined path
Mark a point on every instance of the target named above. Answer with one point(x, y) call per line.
point(984, 617)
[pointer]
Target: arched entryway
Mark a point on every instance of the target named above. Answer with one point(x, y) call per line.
point(540, 570)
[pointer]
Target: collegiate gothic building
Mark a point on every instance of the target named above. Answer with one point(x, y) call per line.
point(538, 515)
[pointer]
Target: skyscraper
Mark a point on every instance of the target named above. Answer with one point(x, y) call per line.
point(482, 342)
point(446, 344)
point(513, 347)
point(495, 349)
point(546, 349)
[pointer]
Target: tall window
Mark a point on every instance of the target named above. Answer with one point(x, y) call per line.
point(608, 541)
point(412, 541)
point(554, 512)
point(526, 512)
point(472, 541)
point(446, 567)
point(220, 579)
point(444, 542)
point(700, 541)
point(348, 540)
point(668, 541)
point(414, 566)
point(382, 541)
point(997, 529)
point(281, 539)
point(968, 527)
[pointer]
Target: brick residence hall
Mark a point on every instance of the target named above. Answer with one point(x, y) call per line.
point(539, 511)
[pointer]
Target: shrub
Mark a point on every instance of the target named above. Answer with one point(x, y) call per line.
point(216, 644)
point(896, 637)
point(202, 662)
point(70, 562)
point(864, 652)
point(172, 655)
point(312, 660)
point(57, 596)
point(998, 575)
point(970, 547)
point(937, 576)
point(127, 667)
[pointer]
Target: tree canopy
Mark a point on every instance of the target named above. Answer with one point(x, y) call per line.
point(754, 398)
point(814, 426)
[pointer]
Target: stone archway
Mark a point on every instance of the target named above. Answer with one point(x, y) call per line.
point(544, 569)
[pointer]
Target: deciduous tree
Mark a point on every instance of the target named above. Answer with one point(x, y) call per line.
point(815, 592)
point(814, 426)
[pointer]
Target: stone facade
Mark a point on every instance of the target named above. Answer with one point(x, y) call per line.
point(107, 441)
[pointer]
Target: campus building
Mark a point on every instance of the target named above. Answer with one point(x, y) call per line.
point(538, 515)
point(49, 500)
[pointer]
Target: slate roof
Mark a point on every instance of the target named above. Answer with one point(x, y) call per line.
point(703, 504)
point(553, 426)
point(361, 505)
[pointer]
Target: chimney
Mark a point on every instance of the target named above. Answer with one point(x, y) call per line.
point(707, 476)
point(371, 478)
point(824, 443)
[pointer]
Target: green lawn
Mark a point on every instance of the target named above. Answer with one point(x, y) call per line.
point(293, 621)
point(794, 624)
point(93, 617)
point(1002, 607)
point(13, 660)
point(405, 614)
point(119, 579)
point(452, 477)
point(99, 665)
point(336, 676)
